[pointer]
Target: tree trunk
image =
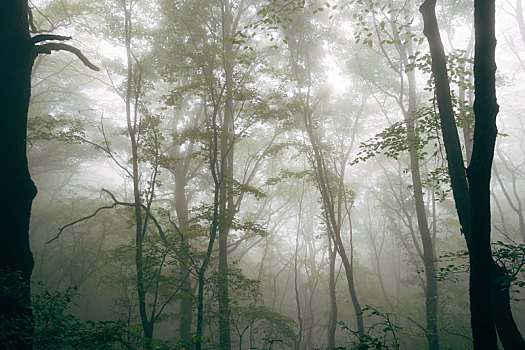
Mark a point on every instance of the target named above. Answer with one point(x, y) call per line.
point(508, 332)
point(451, 141)
point(226, 205)
point(186, 301)
point(296, 283)
point(140, 229)
point(333, 218)
point(479, 173)
point(506, 327)
point(431, 296)
point(15, 254)
point(332, 319)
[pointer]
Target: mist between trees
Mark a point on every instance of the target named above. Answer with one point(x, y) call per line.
point(244, 174)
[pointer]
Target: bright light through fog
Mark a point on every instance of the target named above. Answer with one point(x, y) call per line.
point(338, 81)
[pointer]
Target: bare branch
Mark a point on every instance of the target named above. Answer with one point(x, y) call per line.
point(45, 37)
point(49, 47)
point(148, 212)
point(80, 220)
point(115, 203)
point(108, 151)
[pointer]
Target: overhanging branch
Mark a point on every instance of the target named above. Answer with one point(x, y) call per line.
point(47, 48)
point(46, 37)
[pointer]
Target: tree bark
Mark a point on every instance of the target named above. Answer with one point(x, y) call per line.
point(296, 273)
point(479, 173)
point(484, 74)
point(16, 259)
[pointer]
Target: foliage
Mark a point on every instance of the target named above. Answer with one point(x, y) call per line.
point(12, 327)
point(509, 257)
point(381, 333)
point(267, 325)
point(45, 128)
point(57, 328)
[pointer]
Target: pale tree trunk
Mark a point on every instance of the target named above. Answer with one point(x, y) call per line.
point(517, 207)
point(431, 288)
point(132, 97)
point(226, 202)
point(296, 274)
point(186, 301)
point(431, 296)
point(332, 318)
point(333, 214)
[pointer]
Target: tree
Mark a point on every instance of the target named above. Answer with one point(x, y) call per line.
point(336, 199)
point(16, 260)
point(15, 254)
point(490, 306)
point(395, 29)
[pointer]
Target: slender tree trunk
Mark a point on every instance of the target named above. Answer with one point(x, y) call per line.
point(213, 157)
point(16, 61)
point(428, 256)
point(186, 301)
point(431, 296)
point(455, 163)
point(516, 207)
point(349, 272)
point(296, 273)
point(332, 319)
point(226, 205)
point(296, 288)
point(132, 127)
point(431, 289)
point(206, 261)
point(333, 218)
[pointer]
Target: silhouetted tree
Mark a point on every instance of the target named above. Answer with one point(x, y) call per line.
point(16, 259)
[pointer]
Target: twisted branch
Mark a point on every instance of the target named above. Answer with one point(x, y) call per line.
point(115, 203)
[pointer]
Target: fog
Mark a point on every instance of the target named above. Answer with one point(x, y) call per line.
point(265, 175)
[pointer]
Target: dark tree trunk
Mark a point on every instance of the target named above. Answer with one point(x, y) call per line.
point(455, 163)
point(16, 62)
point(480, 171)
point(508, 332)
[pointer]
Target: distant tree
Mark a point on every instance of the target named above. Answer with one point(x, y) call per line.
point(398, 45)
